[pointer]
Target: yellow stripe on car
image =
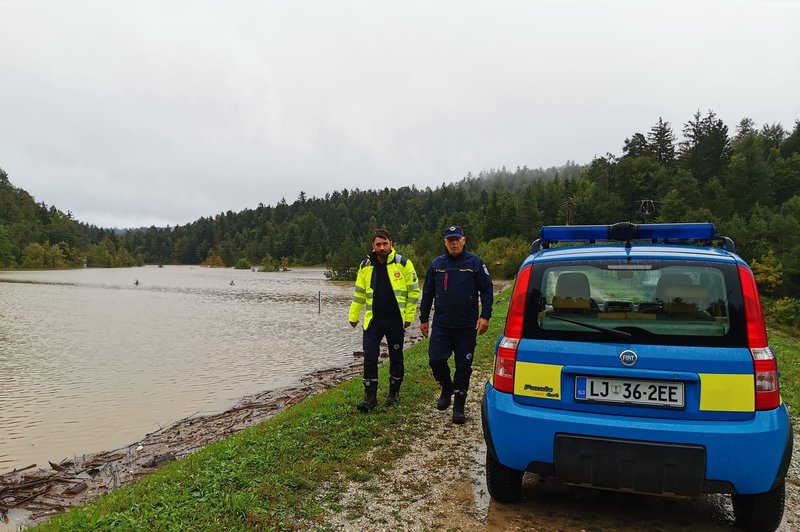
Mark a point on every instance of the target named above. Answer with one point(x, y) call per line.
point(538, 380)
point(722, 392)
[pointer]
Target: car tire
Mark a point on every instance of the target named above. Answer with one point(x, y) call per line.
point(761, 512)
point(504, 483)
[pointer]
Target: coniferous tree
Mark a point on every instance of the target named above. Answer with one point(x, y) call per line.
point(636, 146)
point(746, 127)
point(791, 145)
point(706, 148)
point(773, 134)
point(749, 179)
point(661, 141)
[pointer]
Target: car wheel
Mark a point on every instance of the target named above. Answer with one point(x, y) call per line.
point(760, 512)
point(504, 483)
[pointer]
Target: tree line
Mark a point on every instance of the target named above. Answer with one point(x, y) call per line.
point(33, 235)
point(746, 181)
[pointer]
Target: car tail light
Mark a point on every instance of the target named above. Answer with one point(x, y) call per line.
point(507, 348)
point(504, 364)
point(764, 363)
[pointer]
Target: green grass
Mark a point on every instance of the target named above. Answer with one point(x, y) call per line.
point(284, 473)
point(787, 349)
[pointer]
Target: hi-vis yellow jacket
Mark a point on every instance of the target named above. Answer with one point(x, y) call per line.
point(404, 283)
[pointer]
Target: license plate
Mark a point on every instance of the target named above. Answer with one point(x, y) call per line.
point(651, 393)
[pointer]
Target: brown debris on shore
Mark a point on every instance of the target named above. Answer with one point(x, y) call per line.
point(41, 493)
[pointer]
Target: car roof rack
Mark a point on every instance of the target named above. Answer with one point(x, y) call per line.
point(628, 232)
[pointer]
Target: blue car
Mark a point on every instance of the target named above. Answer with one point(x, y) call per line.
point(635, 358)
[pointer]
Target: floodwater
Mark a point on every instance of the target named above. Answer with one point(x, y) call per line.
point(90, 361)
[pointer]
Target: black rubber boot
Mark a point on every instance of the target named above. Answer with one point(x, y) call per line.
point(458, 407)
point(394, 391)
point(370, 400)
point(444, 398)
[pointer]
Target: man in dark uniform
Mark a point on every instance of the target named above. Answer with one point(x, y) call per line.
point(452, 285)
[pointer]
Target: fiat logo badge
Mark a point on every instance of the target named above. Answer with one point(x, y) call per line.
point(628, 358)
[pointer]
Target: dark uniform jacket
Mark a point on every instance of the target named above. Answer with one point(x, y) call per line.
point(452, 284)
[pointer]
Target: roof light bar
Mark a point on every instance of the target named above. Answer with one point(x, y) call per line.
point(695, 231)
point(574, 233)
point(626, 231)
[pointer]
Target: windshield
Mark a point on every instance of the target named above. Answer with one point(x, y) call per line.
point(654, 302)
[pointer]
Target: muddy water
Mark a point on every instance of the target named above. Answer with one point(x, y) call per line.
point(90, 361)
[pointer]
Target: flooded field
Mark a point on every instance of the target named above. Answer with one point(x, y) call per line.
point(91, 361)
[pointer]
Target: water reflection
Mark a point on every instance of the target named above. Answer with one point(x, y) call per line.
point(91, 361)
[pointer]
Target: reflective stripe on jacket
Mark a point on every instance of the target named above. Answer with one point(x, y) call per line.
point(404, 283)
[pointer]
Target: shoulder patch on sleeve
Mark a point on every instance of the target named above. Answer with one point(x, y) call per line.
point(401, 259)
point(366, 262)
point(485, 269)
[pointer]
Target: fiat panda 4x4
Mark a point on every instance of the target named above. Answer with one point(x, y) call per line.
point(636, 358)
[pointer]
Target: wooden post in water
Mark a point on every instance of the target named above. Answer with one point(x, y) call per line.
point(319, 302)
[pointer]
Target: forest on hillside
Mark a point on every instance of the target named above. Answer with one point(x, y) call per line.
point(745, 180)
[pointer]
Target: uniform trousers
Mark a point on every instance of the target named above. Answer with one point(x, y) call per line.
point(461, 343)
point(392, 329)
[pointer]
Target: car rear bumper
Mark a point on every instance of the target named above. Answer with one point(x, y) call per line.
point(625, 452)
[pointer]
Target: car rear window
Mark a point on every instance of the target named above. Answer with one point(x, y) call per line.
point(654, 302)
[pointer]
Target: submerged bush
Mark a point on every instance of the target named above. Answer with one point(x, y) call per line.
point(243, 264)
point(212, 261)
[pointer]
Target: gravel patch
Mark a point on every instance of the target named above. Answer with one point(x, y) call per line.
point(439, 485)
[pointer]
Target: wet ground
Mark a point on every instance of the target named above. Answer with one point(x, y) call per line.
point(552, 506)
point(440, 485)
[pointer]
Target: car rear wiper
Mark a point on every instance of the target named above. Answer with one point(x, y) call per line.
point(615, 332)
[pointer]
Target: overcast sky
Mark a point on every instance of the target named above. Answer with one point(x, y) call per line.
point(159, 112)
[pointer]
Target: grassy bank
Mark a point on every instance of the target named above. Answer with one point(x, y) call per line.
point(286, 472)
point(787, 348)
point(283, 473)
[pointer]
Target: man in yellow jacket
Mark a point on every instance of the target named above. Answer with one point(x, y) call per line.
point(387, 285)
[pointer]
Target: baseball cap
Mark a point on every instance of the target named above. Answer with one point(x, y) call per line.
point(454, 231)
